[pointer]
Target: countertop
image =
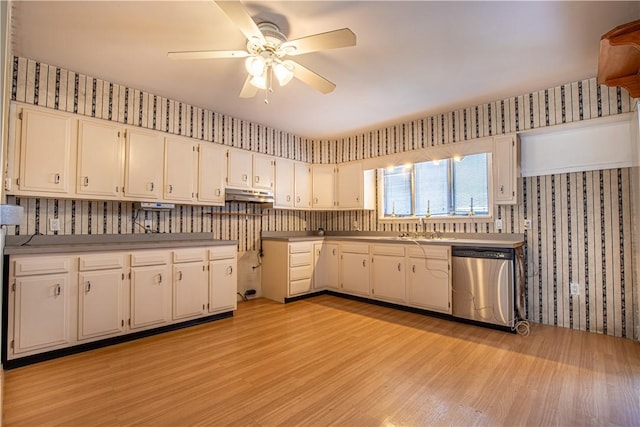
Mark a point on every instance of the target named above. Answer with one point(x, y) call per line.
point(487, 240)
point(21, 245)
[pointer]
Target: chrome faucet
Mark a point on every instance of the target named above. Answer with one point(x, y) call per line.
point(435, 235)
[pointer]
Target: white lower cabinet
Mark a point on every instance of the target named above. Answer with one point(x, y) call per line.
point(387, 272)
point(57, 301)
point(326, 269)
point(190, 283)
point(429, 278)
point(223, 279)
point(354, 268)
point(287, 269)
point(100, 295)
point(42, 301)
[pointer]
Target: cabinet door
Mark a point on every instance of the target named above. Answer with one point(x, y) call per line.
point(190, 286)
point(302, 184)
point(327, 267)
point(179, 170)
point(100, 303)
point(323, 182)
point(46, 144)
point(150, 296)
point(42, 306)
point(212, 170)
point(239, 167)
point(283, 195)
point(263, 171)
point(223, 285)
point(354, 273)
point(349, 179)
point(428, 284)
point(504, 166)
point(388, 278)
point(144, 165)
point(99, 159)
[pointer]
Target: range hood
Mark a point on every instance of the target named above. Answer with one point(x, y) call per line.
point(248, 195)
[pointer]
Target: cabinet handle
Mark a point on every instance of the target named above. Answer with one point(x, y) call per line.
point(88, 289)
point(399, 267)
point(288, 198)
point(86, 181)
point(229, 271)
point(257, 179)
point(56, 178)
point(217, 192)
point(180, 275)
point(244, 177)
point(152, 186)
point(364, 262)
point(58, 290)
point(334, 251)
point(160, 278)
point(298, 199)
point(502, 189)
point(170, 188)
point(357, 198)
point(413, 268)
point(315, 200)
point(318, 253)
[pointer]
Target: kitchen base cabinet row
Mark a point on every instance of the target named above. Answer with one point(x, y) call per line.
point(408, 275)
point(54, 302)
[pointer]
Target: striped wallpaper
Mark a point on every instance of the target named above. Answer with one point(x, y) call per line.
point(579, 220)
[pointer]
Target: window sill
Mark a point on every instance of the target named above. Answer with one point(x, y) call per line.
point(432, 219)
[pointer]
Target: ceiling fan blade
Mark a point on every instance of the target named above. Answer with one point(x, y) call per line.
point(238, 14)
point(208, 54)
point(323, 41)
point(248, 90)
point(313, 79)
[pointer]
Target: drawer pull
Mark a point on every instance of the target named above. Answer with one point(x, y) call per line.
point(56, 178)
point(399, 268)
point(160, 278)
point(88, 287)
point(58, 290)
point(180, 275)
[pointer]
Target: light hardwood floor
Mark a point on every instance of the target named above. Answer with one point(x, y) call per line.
point(332, 361)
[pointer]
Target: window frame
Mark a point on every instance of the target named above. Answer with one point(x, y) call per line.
point(437, 218)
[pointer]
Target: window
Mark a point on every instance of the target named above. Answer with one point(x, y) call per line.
point(437, 188)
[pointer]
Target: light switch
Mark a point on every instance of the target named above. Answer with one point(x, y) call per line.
point(54, 224)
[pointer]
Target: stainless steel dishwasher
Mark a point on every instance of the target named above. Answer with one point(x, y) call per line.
point(483, 284)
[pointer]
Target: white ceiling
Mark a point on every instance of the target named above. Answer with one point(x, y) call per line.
point(412, 59)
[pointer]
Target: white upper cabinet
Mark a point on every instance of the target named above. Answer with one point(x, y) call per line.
point(505, 169)
point(47, 144)
point(284, 189)
point(180, 169)
point(302, 185)
point(144, 165)
point(239, 168)
point(100, 159)
point(350, 186)
point(212, 170)
point(263, 172)
point(323, 186)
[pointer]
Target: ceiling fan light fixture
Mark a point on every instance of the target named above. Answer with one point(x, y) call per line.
point(283, 71)
point(255, 65)
point(259, 81)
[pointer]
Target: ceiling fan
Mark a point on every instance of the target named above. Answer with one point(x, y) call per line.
point(267, 52)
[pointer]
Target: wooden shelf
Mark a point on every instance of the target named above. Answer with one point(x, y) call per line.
point(619, 60)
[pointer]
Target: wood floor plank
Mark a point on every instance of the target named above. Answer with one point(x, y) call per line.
point(333, 361)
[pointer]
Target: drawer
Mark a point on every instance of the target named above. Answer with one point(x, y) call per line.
point(299, 286)
point(149, 258)
point(302, 258)
point(298, 247)
point(302, 272)
point(189, 255)
point(355, 248)
point(41, 265)
point(101, 262)
point(222, 252)
point(431, 251)
point(397, 250)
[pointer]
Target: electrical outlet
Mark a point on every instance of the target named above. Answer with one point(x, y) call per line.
point(498, 224)
point(147, 224)
point(54, 224)
point(527, 224)
point(574, 288)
